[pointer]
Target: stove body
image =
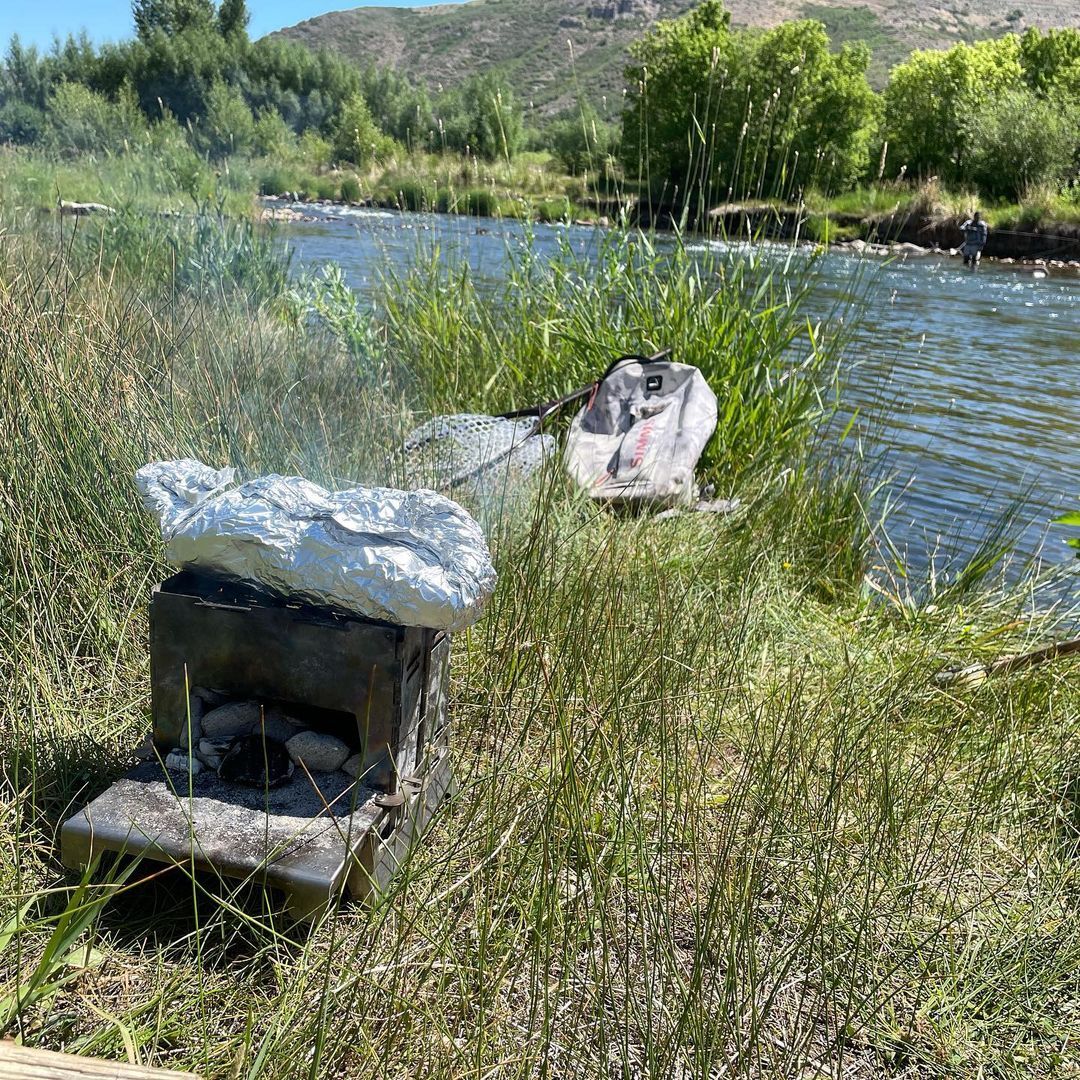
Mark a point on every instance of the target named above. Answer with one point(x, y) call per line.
point(379, 687)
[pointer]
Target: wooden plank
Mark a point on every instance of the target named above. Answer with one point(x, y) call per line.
point(23, 1063)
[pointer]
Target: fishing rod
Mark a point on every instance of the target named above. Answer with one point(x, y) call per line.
point(976, 673)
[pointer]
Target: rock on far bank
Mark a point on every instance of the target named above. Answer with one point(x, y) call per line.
point(865, 247)
point(285, 213)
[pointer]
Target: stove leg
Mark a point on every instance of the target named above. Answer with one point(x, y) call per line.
point(393, 837)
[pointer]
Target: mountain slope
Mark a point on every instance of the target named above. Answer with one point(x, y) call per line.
point(555, 51)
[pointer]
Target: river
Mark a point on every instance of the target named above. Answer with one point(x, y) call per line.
point(972, 378)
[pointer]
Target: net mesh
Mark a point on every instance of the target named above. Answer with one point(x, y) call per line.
point(475, 450)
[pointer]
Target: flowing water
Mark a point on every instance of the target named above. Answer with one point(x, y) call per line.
point(973, 379)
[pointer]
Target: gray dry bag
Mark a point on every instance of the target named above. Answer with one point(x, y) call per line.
point(641, 433)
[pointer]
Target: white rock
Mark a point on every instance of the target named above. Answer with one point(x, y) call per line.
point(354, 766)
point(178, 762)
point(82, 209)
point(236, 718)
point(211, 751)
point(316, 752)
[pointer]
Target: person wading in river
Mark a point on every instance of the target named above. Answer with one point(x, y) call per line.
point(975, 232)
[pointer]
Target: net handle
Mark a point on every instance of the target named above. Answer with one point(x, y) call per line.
point(542, 412)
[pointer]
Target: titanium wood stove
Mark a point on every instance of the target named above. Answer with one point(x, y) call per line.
point(378, 687)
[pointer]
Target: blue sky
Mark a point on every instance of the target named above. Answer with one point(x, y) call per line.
point(35, 21)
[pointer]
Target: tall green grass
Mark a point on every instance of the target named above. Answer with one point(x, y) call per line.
point(713, 817)
point(548, 326)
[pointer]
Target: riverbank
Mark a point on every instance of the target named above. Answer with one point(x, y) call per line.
point(532, 188)
point(1053, 249)
point(907, 231)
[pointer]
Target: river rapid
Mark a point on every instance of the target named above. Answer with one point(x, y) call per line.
point(968, 385)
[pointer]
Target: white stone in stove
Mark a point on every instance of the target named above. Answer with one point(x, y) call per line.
point(211, 751)
point(354, 766)
point(178, 762)
point(318, 752)
point(236, 718)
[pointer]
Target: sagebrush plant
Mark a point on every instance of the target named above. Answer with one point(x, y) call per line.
point(713, 817)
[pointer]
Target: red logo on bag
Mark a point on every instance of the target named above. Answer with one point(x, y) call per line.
point(642, 444)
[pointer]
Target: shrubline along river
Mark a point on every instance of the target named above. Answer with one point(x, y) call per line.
point(974, 377)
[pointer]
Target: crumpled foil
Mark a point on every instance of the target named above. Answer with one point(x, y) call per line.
point(413, 558)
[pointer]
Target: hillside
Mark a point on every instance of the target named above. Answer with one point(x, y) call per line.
point(548, 49)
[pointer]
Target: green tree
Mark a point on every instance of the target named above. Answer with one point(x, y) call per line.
point(398, 107)
point(30, 77)
point(80, 121)
point(316, 149)
point(356, 136)
point(932, 98)
point(481, 116)
point(307, 88)
point(680, 72)
point(227, 127)
point(232, 18)
point(812, 114)
point(715, 113)
point(26, 77)
point(20, 122)
point(582, 142)
point(171, 16)
point(24, 93)
point(272, 135)
point(1020, 142)
point(176, 72)
point(1051, 62)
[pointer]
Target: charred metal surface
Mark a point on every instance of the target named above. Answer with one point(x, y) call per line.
point(365, 681)
point(378, 687)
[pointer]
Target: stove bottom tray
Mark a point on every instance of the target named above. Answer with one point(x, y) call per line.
point(313, 838)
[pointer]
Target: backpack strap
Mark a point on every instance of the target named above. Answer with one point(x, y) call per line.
point(542, 412)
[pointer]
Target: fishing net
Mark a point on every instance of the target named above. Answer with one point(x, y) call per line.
point(481, 453)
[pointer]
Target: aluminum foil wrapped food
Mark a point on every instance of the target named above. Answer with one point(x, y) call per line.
point(413, 558)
